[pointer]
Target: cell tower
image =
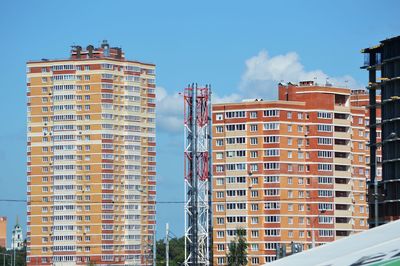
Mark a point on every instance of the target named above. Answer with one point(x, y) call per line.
point(197, 171)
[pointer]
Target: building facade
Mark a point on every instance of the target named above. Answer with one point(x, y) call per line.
point(383, 65)
point(91, 159)
point(291, 170)
point(3, 231)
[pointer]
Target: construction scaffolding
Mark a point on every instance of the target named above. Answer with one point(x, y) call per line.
point(197, 172)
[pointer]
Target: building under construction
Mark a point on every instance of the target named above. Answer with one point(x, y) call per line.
point(383, 65)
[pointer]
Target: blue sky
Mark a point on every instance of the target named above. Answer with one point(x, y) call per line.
point(243, 48)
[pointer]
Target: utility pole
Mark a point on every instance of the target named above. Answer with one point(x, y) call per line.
point(167, 244)
point(14, 257)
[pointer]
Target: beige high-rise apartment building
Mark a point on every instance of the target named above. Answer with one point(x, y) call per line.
point(91, 159)
point(291, 170)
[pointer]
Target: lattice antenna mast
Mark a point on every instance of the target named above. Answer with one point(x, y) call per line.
point(197, 171)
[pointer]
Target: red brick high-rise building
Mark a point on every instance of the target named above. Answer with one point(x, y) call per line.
point(291, 170)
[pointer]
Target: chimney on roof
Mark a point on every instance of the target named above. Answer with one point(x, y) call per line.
point(78, 51)
point(119, 53)
point(90, 48)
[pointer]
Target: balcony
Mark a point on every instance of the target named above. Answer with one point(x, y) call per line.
point(341, 160)
point(345, 200)
point(343, 213)
point(342, 148)
point(343, 226)
point(341, 122)
point(341, 135)
point(342, 187)
point(345, 174)
point(341, 108)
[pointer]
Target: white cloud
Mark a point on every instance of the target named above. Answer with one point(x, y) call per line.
point(169, 111)
point(259, 80)
point(234, 97)
point(263, 73)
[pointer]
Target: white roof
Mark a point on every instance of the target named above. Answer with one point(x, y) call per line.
point(377, 246)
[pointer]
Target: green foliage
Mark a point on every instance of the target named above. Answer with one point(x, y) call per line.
point(238, 249)
point(176, 251)
point(20, 255)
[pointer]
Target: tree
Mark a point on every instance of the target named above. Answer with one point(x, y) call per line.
point(176, 251)
point(238, 249)
point(20, 256)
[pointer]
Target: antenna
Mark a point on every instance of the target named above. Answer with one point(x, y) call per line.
point(197, 173)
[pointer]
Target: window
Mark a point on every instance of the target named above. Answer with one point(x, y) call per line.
point(324, 154)
point(289, 115)
point(272, 205)
point(325, 220)
point(271, 166)
point(219, 129)
point(271, 139)
point(324, 128)
point(325, 233)
point(271, 152)
point(299, 116)
point(325, 180)
point(325, 193)
point(271, 179)
point(271, 126)
point(219, 142)
point(253, 141)
point(271, 113)
point(235, 114)
point(253, 128)
point(325, 206)
point(272, 232)
point(219, 117)
point(324, 167)
point(324, 141)
point(254, 233)
point(324, 115)
point(253, 114)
